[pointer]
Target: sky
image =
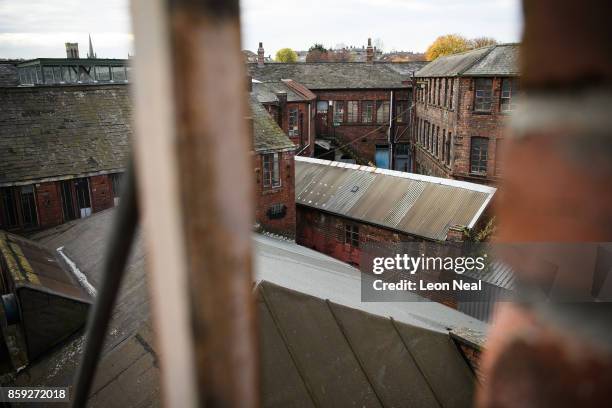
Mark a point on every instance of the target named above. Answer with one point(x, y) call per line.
point(39, 28)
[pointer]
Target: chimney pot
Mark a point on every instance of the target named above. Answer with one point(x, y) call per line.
point(260, 55)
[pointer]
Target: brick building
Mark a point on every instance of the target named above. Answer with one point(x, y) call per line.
point(462, 103)
point(62, 152)
point(274, 173)
point(340, 207)
point(362, 109)
point(292, 107)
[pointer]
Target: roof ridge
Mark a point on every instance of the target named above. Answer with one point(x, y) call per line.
point(401, 174)
point(477, 60)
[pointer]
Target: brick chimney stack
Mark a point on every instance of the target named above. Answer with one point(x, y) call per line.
point(282, 108)
point(369, 52)
point(260, 55)
point(72, 50)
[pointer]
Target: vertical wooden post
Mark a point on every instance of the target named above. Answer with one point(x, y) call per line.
point(192, 148)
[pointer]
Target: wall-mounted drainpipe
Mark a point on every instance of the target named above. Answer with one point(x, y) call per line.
point(390, 133)
point(309, 120)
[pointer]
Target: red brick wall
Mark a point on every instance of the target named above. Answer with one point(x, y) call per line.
point(325, 232)
point(464, 124)
point(101, 192)
point(285, 194)
point(302, 140)
point(363, 138)
point(49, 204)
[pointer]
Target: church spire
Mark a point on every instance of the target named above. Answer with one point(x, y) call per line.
point(91, 53)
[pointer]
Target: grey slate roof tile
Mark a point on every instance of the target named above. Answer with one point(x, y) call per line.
point(496, 60)
point(268, 136)
point(60, 131)
point(337, 75)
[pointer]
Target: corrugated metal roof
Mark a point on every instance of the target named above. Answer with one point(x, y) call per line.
point(498, 274)
point(410, 203)
point(499, 59)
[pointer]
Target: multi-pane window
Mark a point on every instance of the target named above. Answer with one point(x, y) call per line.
point(367, 111)
point(452, 88)
point(117, 183)
point(18, 207)
point(483, 92)
point(294, 128)
point(401, 112)
point(439, 91)
point(277, 211)
point(351, 235)
point(352, 111)
point(271, 170)
point(102, 73)
point(118, 73)
point(338, 112)
point(382, 111)
point(508, 93)
point(479, 155)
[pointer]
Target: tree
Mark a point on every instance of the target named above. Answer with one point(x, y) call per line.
point(482, 42)
point(317, 53)
point(286, 55)
point(447, 45)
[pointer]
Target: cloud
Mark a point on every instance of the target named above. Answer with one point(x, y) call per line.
point(39, 28)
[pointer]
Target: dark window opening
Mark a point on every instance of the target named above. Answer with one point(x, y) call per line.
point(9, 208)
point(28, 207)
point(351, 235)
point(277, 211)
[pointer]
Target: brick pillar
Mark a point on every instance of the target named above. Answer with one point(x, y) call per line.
point(556, 188)
point(370, 52)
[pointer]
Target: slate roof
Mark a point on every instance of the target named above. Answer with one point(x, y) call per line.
point(265, 92)
point(267, 135)
point(336, 75)
point(343, 352)
point(54, 132)
point(496, 60)
point(414, 204)
point(9, 75)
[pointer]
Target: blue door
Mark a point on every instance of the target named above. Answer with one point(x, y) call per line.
point(382, 157)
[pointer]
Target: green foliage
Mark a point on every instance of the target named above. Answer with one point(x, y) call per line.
point(286, 55)
point(318, 47)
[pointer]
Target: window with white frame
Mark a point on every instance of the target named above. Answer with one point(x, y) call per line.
point(271, 170)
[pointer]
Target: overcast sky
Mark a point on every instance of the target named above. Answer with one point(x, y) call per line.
point(39, 28)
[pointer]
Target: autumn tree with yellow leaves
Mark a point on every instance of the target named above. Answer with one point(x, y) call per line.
point(455, 43)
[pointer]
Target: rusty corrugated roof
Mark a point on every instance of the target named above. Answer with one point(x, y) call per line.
point(410, 203)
